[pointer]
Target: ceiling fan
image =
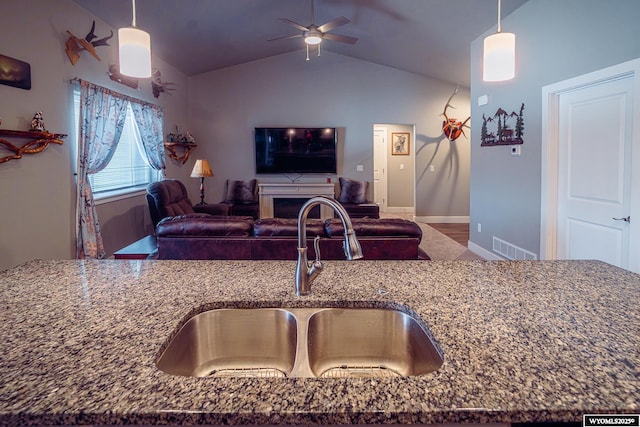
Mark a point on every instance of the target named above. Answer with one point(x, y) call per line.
point(314, 34)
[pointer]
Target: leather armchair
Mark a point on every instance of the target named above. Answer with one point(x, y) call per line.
point(353, 197)
point(242, 198)
point(169, 198)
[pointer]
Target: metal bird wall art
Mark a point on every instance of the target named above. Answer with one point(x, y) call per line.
point(74, 45)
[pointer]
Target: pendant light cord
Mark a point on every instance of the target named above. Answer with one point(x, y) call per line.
point(499, 26)
point(133, 23)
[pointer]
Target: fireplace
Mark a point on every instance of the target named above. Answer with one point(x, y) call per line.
point(290, 198)
point(287, 207)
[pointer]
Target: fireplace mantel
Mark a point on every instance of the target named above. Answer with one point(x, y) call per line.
point(270, 191)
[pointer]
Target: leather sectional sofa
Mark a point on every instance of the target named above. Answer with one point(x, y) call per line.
point(207, 237)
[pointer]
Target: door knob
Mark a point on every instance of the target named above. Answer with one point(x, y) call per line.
point(627, 219)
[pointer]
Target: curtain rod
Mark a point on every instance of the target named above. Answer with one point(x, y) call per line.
point(116, 94)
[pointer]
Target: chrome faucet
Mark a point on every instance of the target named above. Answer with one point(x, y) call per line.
point(305, 272)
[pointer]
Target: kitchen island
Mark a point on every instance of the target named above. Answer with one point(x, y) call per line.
point(522, 342)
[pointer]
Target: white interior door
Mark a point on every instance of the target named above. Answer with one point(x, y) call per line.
point(380, 167)
point(595, 130)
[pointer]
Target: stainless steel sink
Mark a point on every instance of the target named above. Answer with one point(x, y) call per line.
point(369, 342)
point(233, 342)
point(301, 342)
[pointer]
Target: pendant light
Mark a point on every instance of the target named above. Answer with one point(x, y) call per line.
point(499, 62)
point(134, 49)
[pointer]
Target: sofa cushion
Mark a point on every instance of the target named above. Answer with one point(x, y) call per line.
point(205, 225)
point(212, 209)
point(390, 227)
point(353, 191)
point(278, 227)
point(241, 191)
point(361, 210)
point(204, 247)
point(245, 209)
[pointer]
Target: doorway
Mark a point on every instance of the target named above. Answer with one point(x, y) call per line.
point(380, 167)
point(394, 173)
point(591, 148)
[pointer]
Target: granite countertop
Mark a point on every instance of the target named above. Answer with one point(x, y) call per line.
point(522, 341)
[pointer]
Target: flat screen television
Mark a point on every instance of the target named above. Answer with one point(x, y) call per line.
point(296, 150)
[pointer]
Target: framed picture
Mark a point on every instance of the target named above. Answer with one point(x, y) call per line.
point(400, 142)
point(15, 73)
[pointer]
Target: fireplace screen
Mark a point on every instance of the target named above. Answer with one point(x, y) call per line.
point(285, 207)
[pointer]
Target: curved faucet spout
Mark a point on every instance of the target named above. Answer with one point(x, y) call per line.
point(305, 272)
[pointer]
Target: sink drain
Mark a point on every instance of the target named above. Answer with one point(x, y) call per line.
point(345, 371)
point(248, 373)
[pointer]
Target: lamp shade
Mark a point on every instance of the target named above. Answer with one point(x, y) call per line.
point(201, 169)
point(134, 47)
point(499, 62)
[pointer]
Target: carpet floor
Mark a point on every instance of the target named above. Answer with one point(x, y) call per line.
point(438, 246)
point(442, 248)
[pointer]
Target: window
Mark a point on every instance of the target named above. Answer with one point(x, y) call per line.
point(127, 171)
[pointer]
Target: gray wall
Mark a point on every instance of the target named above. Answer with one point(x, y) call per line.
point(37, 192)
point(555, 40)
point(400, 170)
point(337, 91)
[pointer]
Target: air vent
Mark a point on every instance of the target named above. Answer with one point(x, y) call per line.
point(512, 252)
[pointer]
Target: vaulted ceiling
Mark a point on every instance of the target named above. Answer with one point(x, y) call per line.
point(427, 37)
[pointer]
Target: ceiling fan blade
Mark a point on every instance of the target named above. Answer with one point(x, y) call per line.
point(340, 38)
point(334, 23)
point(295, 24)
point(285, 37)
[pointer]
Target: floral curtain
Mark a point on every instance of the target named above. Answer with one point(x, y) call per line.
point(102, 117)
point(149, 120)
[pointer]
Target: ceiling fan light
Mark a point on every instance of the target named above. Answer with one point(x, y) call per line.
point(134, 48)
point(499, 57)
point(312, 39)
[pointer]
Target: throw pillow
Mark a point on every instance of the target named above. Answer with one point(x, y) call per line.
point(242, 192)
point(353, 191)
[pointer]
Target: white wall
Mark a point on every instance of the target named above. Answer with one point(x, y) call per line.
point(555, 40)
point(37, 192)
point(337, 91)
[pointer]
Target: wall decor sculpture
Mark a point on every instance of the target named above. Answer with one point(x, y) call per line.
point(180, 145)
point(15, 73)
point(453, 128)
point(116, 76)
point(74, 45)
point(38, 142)
point(158, 86)
point(502, 128)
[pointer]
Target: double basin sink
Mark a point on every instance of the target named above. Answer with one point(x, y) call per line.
point(301, 342)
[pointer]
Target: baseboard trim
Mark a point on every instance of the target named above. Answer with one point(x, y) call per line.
point(399, 210)
point(443, 219)
point(484, 253)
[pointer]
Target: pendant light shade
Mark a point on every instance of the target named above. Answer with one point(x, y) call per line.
point(499, 59)
point(134, 48)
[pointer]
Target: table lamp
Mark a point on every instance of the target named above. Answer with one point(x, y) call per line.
point(201, 170)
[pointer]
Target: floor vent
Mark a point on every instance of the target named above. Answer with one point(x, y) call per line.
point(510, 251)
